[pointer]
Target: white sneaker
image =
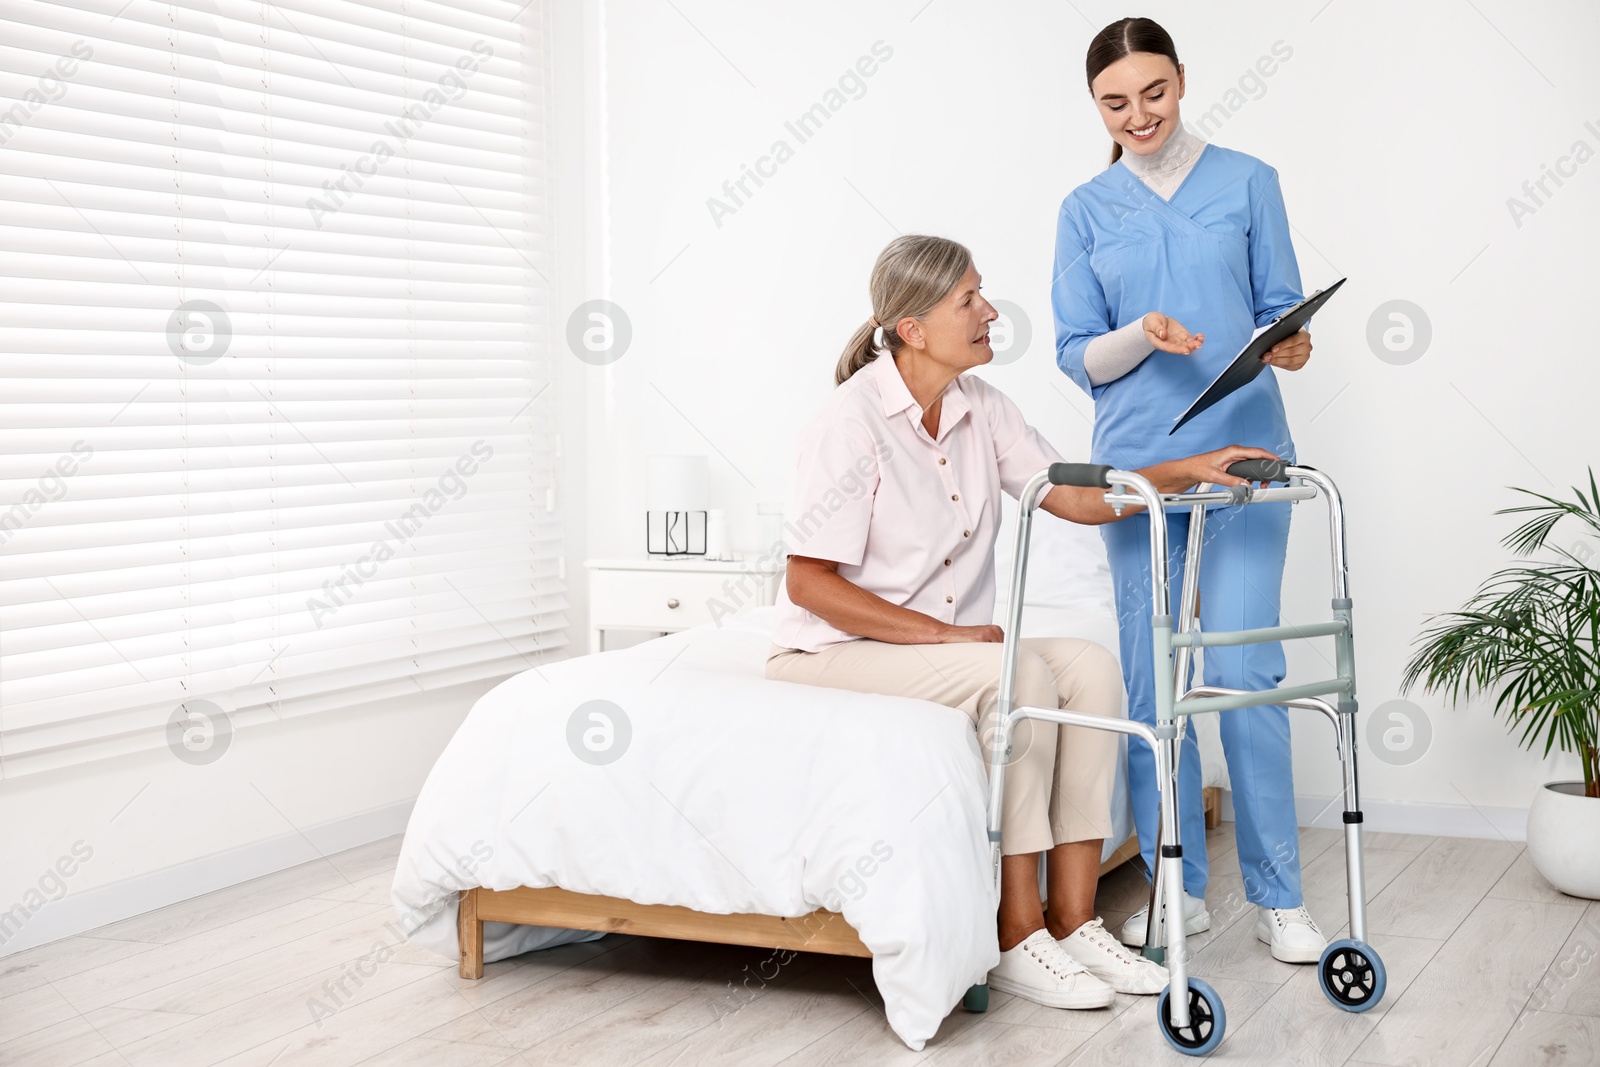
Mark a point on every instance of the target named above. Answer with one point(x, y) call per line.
point(1291, 933)
point(1108, 961)
point(1040, 970)
point(1196, 919)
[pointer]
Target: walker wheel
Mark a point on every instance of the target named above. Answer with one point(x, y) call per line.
point(1352, 975)
point(1207, 1020)
point(976, 998)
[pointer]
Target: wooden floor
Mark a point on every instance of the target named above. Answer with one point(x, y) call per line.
point(1487, 966)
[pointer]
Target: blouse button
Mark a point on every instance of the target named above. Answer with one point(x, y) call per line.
point(966, 533)
point(955, 496)
point(947, 563)
point(949, 600)
point(941, 461)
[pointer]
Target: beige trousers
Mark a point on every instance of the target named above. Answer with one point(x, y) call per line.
point(1058, 778)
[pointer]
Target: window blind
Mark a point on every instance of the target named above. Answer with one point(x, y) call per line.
point(275, 431)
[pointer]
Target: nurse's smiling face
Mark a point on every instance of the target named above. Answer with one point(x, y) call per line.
point(1138, 98)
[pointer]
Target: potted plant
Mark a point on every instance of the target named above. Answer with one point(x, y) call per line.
point(1531, 634)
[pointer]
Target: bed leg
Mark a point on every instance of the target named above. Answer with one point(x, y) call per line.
point(470, 929)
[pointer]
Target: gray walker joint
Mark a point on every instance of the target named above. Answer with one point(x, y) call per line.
point(1190, 1013)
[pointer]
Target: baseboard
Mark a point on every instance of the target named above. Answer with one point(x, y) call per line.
point(90, 909)
point(1434, 820)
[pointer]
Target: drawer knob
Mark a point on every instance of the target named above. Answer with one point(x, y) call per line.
point(672, 602)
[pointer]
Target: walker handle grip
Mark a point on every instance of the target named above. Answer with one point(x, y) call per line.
point(1087, 475)
point(1260, 470)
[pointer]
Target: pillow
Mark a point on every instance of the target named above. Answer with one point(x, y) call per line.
point(1066, 564)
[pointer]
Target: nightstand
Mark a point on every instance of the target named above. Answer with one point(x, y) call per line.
point(668, 595)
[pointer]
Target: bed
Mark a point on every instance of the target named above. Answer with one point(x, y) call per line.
point(707, 802)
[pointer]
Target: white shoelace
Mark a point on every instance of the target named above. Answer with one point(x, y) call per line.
point(1289, 916)
point(1058, 956)
point(1094, 931)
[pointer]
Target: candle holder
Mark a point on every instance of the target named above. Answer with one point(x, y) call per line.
point(675, 533)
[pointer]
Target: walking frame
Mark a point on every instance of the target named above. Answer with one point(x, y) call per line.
point(1350, 972)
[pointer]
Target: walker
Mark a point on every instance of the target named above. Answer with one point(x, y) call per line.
point(1350, 972)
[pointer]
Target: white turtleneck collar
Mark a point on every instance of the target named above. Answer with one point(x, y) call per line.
point(1164, 169)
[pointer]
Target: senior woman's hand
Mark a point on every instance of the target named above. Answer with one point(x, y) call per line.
point(1179, 475)
point(953, 635)
point(817, 586)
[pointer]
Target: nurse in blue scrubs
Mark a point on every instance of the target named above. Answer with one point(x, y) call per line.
point(1166, 262)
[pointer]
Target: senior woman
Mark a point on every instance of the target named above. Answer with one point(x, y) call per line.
point(892, 591)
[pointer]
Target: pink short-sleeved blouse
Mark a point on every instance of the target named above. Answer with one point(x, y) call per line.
point(909, 517)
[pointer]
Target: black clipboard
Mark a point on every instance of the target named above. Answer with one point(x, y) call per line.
point(1247, 364)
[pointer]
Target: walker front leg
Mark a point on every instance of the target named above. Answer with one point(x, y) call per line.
point(1188, 618)
point(1345, 723)
point(1155, 927)
point(1352, 822)
point(977, 996)
point(1170, 847)
point(1170, 861)
point(999, 747)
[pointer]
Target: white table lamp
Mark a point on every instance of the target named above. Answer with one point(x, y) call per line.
point(676, 499)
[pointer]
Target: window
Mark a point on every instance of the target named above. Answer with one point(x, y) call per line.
point(275, 431)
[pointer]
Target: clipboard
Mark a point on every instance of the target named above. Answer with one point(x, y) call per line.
point(1247, 364)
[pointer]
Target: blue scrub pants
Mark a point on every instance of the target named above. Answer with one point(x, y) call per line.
point(1241, 576)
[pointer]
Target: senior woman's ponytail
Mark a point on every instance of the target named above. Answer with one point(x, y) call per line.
point(1121, 39)
point(912, 274)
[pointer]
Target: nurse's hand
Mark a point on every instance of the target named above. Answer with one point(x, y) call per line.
point(1290, 353)
point(1168, 335)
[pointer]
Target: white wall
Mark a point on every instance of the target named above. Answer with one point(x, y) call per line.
point(1399, 133)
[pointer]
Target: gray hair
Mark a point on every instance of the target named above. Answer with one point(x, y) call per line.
point(912, 274)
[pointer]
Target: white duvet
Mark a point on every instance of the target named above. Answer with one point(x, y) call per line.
point(731, 793)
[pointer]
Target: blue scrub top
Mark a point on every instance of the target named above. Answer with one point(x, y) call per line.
point(1217, 258)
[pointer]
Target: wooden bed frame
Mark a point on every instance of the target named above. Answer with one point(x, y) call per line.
point(821, 931)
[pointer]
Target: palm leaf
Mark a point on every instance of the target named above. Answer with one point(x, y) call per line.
point(1533, 534)
point(1529, 637)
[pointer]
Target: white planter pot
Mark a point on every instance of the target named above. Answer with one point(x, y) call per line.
point(1564, 838)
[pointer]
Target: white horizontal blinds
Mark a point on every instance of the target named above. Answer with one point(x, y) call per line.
point(274, 428)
